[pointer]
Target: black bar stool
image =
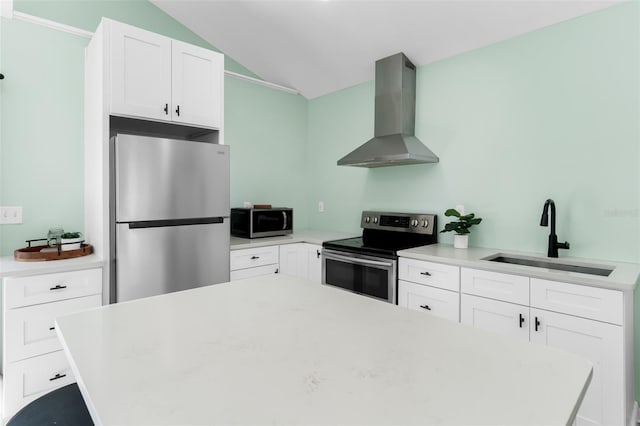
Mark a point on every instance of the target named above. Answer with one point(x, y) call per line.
point(63, 406)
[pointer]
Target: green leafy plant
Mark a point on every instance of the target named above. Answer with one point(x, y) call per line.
point(462, 225)
point(69, 235)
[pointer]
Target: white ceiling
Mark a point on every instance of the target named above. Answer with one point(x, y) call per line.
point(320, 46)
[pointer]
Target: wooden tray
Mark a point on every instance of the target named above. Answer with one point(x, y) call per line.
point(33, 254)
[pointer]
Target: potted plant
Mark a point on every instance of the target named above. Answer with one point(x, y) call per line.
point(460, 227)
point(70, 237)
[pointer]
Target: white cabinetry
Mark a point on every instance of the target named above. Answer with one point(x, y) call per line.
point(302, 260)
point(158, 78)
point(429, 287)
point(583, 320)
point(253, 262)
point(33, 362)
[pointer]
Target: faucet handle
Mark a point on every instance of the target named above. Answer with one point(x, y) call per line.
point(564, 245)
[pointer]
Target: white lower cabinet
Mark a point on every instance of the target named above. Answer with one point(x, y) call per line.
point(31, 378)
point(33, 362)
point(253, 262)
point(435, 301)
point(302, 260)
point(429, 287)
point(600, 343)
point(563, 316)
point(499, 317)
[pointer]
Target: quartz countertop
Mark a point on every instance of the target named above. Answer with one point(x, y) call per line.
point(303, 236)
point(9, 267)
point(280, 350)
point(624, 276)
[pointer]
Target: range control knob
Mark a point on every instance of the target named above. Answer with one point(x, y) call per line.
point(425, 223)
point(367, 219)
point(414, 223)
point(375, 219)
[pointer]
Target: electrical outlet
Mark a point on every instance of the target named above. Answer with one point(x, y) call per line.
point(10, 215)
point(321, 206)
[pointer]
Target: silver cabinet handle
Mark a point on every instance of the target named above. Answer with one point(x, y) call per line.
point(356, 260)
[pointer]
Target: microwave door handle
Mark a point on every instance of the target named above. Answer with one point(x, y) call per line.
point(357, 260)
point(284, 214)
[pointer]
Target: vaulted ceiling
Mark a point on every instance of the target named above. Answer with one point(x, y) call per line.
point(320, 46)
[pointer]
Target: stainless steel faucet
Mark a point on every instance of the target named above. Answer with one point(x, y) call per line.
point(554, 245)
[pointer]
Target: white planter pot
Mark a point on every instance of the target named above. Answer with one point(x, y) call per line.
point(66, 247)
point(461, 241)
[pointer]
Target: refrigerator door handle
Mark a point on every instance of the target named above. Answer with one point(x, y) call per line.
point(174, 222)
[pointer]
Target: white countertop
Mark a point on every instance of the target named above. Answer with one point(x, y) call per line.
point(9, 267)
point(280, 350)
point(624, 277)
point(303, 236)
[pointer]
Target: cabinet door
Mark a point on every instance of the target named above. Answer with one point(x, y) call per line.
point(293, 260)
point(197, 85)
point(140, 73)
point(503, 318)
point(314, 263)
point(601, 344)
point(435, 301)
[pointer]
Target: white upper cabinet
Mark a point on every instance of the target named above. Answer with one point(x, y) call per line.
point(197, 81)
point(155, 77)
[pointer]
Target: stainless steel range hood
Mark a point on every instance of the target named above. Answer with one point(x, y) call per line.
point(394, 143)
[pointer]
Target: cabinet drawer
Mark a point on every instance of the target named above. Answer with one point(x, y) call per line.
point(47, 288)
point(248, 258)
point(574, 299)
point(509, 288)
point(30, 331)
point(435, 301)
point(241, 274)
point(31, 378)
point(429, 273)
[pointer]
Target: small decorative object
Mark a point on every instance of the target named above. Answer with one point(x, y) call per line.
point(70, 241)
point(460, 227)
point(53, 236)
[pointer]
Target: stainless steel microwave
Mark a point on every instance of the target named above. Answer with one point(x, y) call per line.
point(255, 223)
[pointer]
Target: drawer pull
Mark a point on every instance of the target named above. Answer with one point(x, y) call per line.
point(58, 287)
point(521, 320)
point(427, 307)
point(52, 328)
point(57, 376)
point(537, 323)
point(255, 257)
point(425, 273)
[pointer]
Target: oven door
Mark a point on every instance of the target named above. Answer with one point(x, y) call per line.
point(367, 275)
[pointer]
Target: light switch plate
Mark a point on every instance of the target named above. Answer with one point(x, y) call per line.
point(10, 215)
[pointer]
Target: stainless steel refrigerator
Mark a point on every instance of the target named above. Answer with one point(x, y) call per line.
point(169, 212)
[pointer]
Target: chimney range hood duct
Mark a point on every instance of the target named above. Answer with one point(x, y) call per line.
point(394, 143)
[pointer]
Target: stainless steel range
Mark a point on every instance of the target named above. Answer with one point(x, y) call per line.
point(368, 265)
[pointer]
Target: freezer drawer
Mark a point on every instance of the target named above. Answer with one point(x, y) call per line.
point(158, 260)
point(158, 179)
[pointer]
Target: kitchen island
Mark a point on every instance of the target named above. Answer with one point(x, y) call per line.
point(281, 350)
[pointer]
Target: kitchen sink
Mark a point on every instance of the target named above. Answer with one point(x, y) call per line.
point(600, 270)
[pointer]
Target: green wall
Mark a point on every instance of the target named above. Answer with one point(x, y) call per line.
point(550, 114)
point(41, 120)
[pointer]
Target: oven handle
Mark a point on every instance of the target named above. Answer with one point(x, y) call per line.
point(356, 260)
